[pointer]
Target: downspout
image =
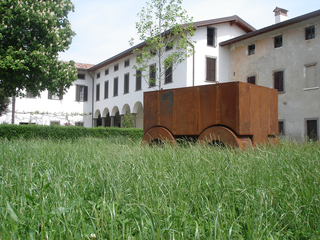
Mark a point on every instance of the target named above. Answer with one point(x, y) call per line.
point(193, 57)
point(92, 97)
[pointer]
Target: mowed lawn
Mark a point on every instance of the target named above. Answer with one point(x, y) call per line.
point(118, 189)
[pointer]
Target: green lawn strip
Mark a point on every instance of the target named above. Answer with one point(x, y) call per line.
point(116, 188)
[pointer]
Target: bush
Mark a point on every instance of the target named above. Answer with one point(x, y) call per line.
point(9, 131)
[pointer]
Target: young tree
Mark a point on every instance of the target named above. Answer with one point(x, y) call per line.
point(32, 33)
point(166, 32)
point(128, 120)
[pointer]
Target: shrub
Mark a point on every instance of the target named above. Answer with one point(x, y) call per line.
point(9, 131)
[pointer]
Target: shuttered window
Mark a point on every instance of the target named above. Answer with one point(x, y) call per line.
point(115, 87)
point(281, 128)
point(168, 77)
point(138, 80)
point(98, 92)
point(211, 37)
point(311, 76)
point(278, 81)
point(81, 93)
point(251, 79)
point(106, 89)
point(310, 33)
point(152, 75)
point(211, 69)
point(278, 41)
point(126, 83)
point(251, 49)
point(54, 96)
point(312, 129)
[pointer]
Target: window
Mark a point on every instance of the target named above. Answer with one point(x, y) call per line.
point(251, 79)
point(30, 95)
point(79, 124)
point(106, 89)
point(98, 92)
point(116, 67)
point(251, 49)
point(81, 93)
point(211, 37)
point(277, 41)
point(211, 69)
point(153, 52)
point(310, 32)
point(312, 129)
point(169, 46)
point(281, 128)
point(138, 80)
point(115, 87)
point(278, 81)
point(81, 76)
point(54, 122)
point(127, 63)
point(311, 77)
point(98, 75)
point(126, 83)
point(152, 75)
point(54, 96)
point(106, 72)
point(168, 77)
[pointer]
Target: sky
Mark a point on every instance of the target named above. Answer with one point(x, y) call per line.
point(104, 27)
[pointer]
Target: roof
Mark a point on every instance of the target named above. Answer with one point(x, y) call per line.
point(234, 20)
point(272, 27)
point(83, 66)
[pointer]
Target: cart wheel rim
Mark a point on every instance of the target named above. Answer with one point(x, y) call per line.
point(224, 137)
point(157, 136)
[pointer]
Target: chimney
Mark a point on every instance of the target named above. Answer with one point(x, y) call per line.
point(280, 14)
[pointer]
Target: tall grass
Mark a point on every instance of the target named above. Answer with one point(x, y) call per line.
point(118, 189)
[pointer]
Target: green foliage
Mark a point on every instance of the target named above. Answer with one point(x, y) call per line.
point(4, 103)
point(128, 120)
point(163, 25)
point(32, 33)
point(9, 131)
point(117, 189)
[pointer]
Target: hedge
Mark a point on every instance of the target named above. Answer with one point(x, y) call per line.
point(10, 131)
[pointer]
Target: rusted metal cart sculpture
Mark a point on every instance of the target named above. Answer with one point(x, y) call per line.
point(236, 114)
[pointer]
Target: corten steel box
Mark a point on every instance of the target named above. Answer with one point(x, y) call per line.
point(246, 109)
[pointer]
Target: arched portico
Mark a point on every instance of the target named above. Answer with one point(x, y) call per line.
point(97, 120)
point(106, 120)
point(138, 112)
point(115, 120)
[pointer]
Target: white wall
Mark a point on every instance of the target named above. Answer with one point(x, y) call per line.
point(41, 110)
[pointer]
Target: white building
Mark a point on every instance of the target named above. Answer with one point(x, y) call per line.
point(109, 89)
point(74, 107)
point(284, 55)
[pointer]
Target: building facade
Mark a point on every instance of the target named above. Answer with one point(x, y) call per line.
point(284, 56)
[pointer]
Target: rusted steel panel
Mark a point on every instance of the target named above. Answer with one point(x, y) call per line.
point(208, 109)
point(166, 109)
point(247, 109)
point(150, 103)
point(228, 101)
point(186, 111)
point(244, 116)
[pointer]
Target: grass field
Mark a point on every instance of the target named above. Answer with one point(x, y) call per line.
point(118, 189)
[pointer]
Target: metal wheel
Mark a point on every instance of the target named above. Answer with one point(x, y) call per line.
point(158, 136)
point(218, 135)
